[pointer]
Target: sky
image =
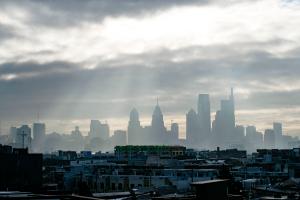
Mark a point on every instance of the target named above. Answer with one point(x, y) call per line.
point(72, 60)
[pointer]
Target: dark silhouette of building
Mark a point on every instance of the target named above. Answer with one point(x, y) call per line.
point(212, 189)
point(20, 170)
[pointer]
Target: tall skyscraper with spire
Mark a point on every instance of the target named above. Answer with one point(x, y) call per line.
point(157, 125)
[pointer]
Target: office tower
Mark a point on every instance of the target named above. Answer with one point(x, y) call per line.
point(250, 132)
point(23, 139)
point(158, 128)
point(204, 117)
point(193, 138)
point(277, 127)
point(238, 140)
point(250, 142)
point(119, 138)
point(175, 133)
point(13, 134)
point(76, 132)
point(240, 132)
point(95, 129)
point(269, 139)
point(105, 131)
point(134, 128)
point(98, 130)
point(39, 133)
point(224, 124)
point(259, 140)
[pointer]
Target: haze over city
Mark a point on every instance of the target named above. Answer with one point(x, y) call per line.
point(71, 61)
point(150, 99)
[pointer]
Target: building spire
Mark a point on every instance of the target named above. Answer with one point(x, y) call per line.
point(157, 101)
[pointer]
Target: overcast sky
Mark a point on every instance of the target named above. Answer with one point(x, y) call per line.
point(72, 61)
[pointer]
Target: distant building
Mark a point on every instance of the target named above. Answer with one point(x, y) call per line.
point(134, 131)
point(158, 132)
point(269, 139)
point(39, 133)
point(250, 132)
point(204, 118)
point(193, 137)
point(174, 134)
point(119, 138)
point(76, 132)
point(277, 127)
point(239, 137)
point(13, 134)
point(224, 123)
point(98, 130)
point(251, 139)
point(23, 139)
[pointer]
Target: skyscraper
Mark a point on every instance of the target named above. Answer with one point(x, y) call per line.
point(158, 127)
point(23, 139)
point(134, 130)
point(193, 138)
point(13, 134)
point(174, 134)
point(251, 138)
point(277, 127)
point(119, 138)
point(250, 132)
point(204, 117)
point(224, 124)
point(39, 133)
point(99, 130)
point(95, 129)
point(269, 139)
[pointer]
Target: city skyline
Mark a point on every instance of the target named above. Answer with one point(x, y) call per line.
point(150, 99)
point(166, 50)
point(202, 132)
point(145, 120)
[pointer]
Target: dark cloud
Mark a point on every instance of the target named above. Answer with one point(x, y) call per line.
point(6, 32)
point(34, 67)
point(75, 91)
